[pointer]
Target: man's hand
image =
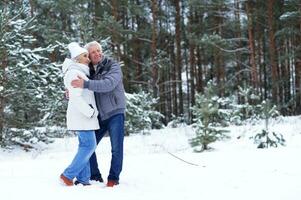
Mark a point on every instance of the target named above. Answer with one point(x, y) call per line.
point(78, 83)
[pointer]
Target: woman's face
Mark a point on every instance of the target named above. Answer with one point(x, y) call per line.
point(83, 58)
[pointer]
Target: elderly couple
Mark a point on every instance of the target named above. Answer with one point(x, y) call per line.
point(86, 74)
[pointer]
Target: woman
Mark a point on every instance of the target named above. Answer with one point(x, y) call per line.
point(81, 116)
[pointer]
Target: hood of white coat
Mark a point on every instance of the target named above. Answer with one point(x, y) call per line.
point(70, 64)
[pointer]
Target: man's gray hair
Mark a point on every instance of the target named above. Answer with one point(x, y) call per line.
point(93, 43)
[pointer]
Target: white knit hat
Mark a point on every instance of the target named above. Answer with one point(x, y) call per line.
point(75, 49)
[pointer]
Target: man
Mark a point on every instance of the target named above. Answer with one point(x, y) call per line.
point(106, 82)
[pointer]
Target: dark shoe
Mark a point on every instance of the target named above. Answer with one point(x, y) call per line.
point(79, 183)
point(111, 183)
point(65, 180)
point(96, 178)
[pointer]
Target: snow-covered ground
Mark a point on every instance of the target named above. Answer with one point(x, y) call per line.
point(233, 170)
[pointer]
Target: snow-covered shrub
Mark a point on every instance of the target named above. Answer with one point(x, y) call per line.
point(141, 115)
point(267, 139)
point(246, 109)
point(177, 122)
point(24, 137)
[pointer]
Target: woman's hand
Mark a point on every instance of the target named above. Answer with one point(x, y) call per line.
point(67, 94)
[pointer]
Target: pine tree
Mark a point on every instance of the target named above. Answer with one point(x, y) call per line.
point(266, 138)
point(210, 118)
point(30, 80)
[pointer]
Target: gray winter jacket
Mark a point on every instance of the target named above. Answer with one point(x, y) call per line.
point(106, 82)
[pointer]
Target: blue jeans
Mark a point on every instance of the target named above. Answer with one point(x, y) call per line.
point(80, 166)
point(115, 126)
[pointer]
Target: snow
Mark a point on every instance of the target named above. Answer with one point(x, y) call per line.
point(288, 15)
point(234, 169)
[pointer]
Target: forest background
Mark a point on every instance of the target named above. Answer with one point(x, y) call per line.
point(171, 51)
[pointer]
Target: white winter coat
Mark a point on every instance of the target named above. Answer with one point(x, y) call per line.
point(82, 111)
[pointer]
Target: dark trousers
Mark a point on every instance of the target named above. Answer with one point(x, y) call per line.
point(115, 127)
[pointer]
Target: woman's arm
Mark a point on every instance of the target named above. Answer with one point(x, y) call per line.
point(75, 95)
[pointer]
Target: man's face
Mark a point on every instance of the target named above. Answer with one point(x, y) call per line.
point(95, 54)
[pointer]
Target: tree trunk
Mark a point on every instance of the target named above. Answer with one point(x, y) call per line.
point(3, 82)
point(298, 70)
point(97, 10)
point(259, 30)
point(260, 64)
point(178, 55)
point(115, 34)
point(265, 70)
point(185, 63)
point(174, 80)
point(154, 61)
point(238, 54)
point(192, 59)
point(287, 93)
point(199, 85)
point(272, 51)
point(169, 89)
point(137, 49)
point(163, 95)
point(32, 7)
point(199, 70)
point(254, 79)
point(219, 67)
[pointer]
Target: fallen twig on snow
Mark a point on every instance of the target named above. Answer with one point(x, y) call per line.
point(190, 163)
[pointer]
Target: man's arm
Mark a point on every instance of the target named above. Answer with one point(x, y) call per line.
point(108, 82)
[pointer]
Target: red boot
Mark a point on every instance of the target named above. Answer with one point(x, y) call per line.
point(111, 183)
point(66, 181)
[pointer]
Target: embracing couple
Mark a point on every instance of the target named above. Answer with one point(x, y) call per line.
point(96, 105)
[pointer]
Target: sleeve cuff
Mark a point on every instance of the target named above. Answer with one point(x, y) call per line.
point(86, 84)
